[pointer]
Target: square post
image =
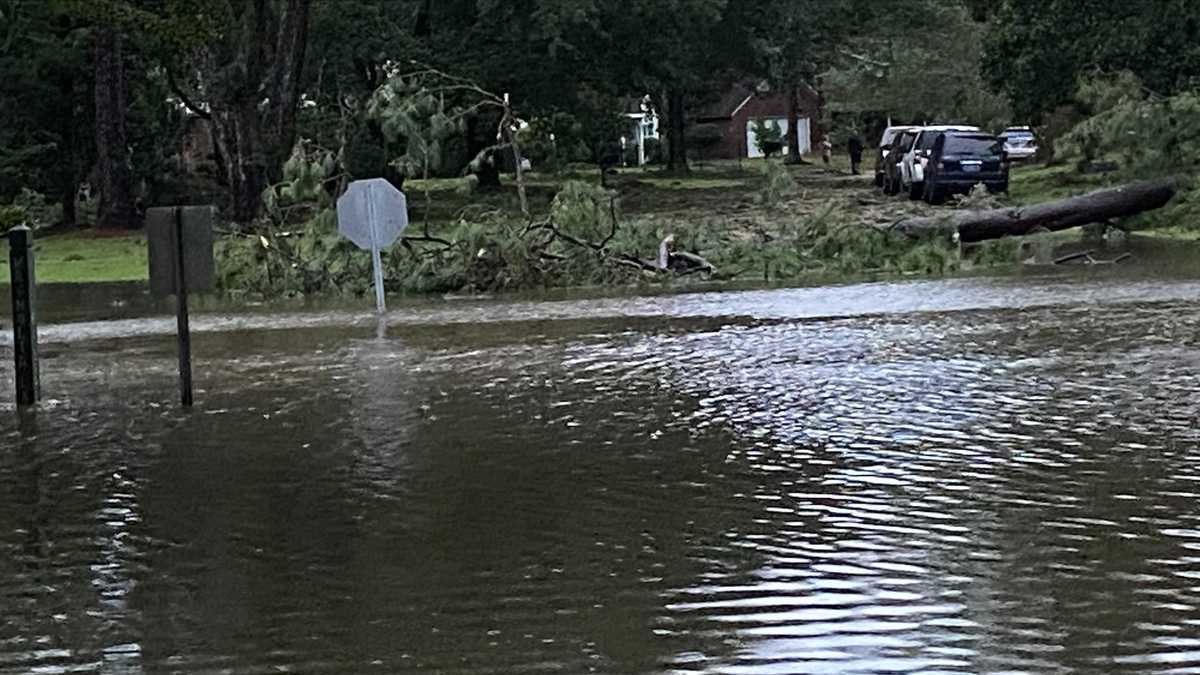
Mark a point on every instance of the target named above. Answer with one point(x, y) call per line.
point(24, 304)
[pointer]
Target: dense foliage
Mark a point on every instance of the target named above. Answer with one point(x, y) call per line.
point(1037, 49)
point(269, 107)
point(232, 85)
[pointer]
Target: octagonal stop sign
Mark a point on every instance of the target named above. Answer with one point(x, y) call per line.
point(372, 214)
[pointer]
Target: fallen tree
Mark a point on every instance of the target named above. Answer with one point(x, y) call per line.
point(1096, 207)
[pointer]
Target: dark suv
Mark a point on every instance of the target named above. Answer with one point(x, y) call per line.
point(961, 160)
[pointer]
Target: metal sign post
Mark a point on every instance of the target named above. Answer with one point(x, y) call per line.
point(183, 329)
point(181, 260)
point(373, 214)
point(24, 306)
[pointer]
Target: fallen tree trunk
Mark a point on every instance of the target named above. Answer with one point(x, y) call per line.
point(1061, 214)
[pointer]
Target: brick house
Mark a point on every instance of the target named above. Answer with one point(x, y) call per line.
point(742, 104)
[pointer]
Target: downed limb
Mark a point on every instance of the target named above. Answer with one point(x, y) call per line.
point(1089, 259)
point(680, 262)
point(1073, 257)
point(1061, 214)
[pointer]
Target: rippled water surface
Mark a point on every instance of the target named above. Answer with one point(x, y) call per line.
point(961, 476)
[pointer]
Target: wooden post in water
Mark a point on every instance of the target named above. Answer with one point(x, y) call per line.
point(24, 292)
point(181, 316)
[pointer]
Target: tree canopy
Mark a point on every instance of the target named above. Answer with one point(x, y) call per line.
point(109, 93)
point(1036, 50)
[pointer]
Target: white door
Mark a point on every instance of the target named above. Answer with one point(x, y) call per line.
point(805, 136)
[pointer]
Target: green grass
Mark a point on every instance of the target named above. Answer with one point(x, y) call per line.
point(1038, 183)
point(1175, 232)
point(83, 257)
point(692, 183)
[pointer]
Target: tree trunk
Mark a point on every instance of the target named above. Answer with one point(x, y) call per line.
point(676, 134)
point(116, 209)
point(254, 97)
point(66, 174)
point(485, 162)
point(70, 192)
point(1061, 214)
point(238, 135)
point(793, 132)
point(421, 27)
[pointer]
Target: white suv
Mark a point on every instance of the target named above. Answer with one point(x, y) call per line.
point(912, 167)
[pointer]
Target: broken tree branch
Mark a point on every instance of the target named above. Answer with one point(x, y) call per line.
point(1073, 257)
point(612, 215)
point(196, 109)
point(1061, 214)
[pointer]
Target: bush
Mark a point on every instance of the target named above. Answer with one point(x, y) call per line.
point(704, 136)
point(575, 245)
point(768, 136)
point(778, 186)
point(1149, 134)
point(630, 156)
point(30, 208)
point(367, 155)
point(655, 151)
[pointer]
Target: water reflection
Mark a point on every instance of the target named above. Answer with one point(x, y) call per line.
point(748, 483)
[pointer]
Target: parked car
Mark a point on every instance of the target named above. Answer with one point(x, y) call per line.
point(912, 167)
point(890, 170)
point(885, 143)
point(959, 161)
point(1019, 143)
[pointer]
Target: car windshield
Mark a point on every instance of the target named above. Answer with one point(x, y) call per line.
point(888, 135)
point(974, 145)
point(1017, 135)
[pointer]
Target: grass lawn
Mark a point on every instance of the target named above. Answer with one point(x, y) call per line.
point(84, 257)
point(1177, 233)
point(669, 183)
point(1030, 184)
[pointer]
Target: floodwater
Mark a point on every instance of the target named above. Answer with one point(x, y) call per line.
point(954, 476)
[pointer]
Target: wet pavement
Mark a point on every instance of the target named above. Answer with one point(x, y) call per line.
point(985, 475)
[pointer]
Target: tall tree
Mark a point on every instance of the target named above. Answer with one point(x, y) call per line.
point(45, 101)
point(116, 208)
point(239, 64)
point(679, 48)
point(252, 78)
point(793, 42)
point(904, 67)
point(1037, 49)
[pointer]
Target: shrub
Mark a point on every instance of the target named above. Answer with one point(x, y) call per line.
point(655, 151)
point(768, 136)
point(30, 208)
point(778, 186)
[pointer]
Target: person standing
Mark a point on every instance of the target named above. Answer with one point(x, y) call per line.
point(855, 146)
point(826, 151)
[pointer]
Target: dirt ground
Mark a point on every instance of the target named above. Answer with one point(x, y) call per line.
point(734, 194)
